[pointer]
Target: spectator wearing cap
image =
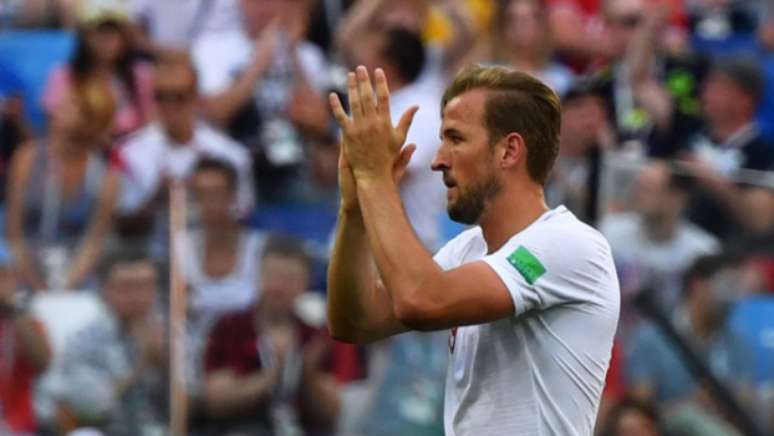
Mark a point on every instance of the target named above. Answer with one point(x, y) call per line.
point(24, 354)
point(104, 60)
point(730, 99)
point(113, 372)
point(169, 149)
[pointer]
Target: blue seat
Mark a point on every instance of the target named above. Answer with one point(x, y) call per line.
point(753, 320)
point(30, 56)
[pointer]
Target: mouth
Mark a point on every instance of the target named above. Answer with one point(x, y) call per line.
point(449, 182)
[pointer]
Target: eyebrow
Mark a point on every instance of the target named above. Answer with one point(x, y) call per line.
point(450, 131)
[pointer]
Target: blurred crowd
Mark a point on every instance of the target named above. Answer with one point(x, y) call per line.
point(110, 108)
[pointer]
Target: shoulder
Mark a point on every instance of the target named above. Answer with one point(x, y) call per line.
point(452, 253)
point(217, 142)
point(698, 238)
point(149, 139)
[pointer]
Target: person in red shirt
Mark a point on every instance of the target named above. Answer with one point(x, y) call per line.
point(24, 354)
point(271, 368)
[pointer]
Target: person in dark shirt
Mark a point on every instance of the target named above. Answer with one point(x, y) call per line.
point(268, 368)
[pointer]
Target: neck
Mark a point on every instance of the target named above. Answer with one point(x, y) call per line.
point(181, 135)
point(511, 211)
point(660, 230)
point(223, 233)
point(267, 314)
point(67, 149)
point(702, 325)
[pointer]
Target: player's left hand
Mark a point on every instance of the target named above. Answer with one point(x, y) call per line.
point(372, 145)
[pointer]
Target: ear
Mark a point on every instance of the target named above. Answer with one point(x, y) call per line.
point(513, 150)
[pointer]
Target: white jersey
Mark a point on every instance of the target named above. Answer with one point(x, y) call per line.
point(541, 371)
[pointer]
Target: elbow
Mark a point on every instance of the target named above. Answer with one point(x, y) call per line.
point(348, 334)
point(413, 313)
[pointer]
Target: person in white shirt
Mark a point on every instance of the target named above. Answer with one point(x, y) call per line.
point(219, 262)
point(177, 24)
point(170, 148)
point(654, 244)
point(263, 83)
point(530, 294)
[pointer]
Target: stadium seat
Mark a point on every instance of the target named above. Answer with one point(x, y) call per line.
point(31, 55)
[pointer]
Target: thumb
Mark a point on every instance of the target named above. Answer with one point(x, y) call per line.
point(405, 122)
point(402, 163)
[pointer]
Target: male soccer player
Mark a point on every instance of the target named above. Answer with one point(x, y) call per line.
point(530, 294)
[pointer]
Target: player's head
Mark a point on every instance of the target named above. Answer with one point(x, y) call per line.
point(499, 126)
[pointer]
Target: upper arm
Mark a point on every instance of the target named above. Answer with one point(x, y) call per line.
point(470, 294)
point(21, 165)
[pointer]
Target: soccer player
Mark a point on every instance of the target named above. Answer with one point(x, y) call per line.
point(530, 294)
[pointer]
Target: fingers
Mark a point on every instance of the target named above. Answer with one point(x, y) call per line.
point(355, 108)
point(366, 90)
point(405, 122)
point(338, 110)
point(403, 161)
point(382, 92)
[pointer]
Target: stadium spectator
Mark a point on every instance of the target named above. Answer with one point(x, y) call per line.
point(266, 367)
point(401, 54)
point(61, 196)
point(631, 417)
point(113, 373)
point(13, 128)
point(104, 58)
point(730, 98)
point(264, 84)
point(526, 43)
point(24, 355)
point(169, 149)
point(730, 144)
point(700, 318)
point(365, 21)
point(586, 131)
point(175, 25)
point(654, 244)
point(652, 93)
point(219, 264)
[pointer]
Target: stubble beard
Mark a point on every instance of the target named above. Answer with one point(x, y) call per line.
point(471, 202)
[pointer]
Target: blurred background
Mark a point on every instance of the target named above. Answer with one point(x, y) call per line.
point(127, 310)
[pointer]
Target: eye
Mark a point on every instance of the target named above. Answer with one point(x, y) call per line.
point(455, 139)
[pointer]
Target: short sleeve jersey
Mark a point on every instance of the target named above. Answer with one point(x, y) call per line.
point(542, 370)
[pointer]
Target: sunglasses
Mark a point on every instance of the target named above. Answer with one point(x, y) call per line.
point(628, 21)
point(175, 97)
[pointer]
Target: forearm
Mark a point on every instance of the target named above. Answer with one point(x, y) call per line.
point(403, 262)
point(25, 264)
point(32, 342)
point(321, 399)
point(226, 394)
point(221, 108)
point(357, 311)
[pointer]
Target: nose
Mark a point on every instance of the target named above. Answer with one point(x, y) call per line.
point(441, 160)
